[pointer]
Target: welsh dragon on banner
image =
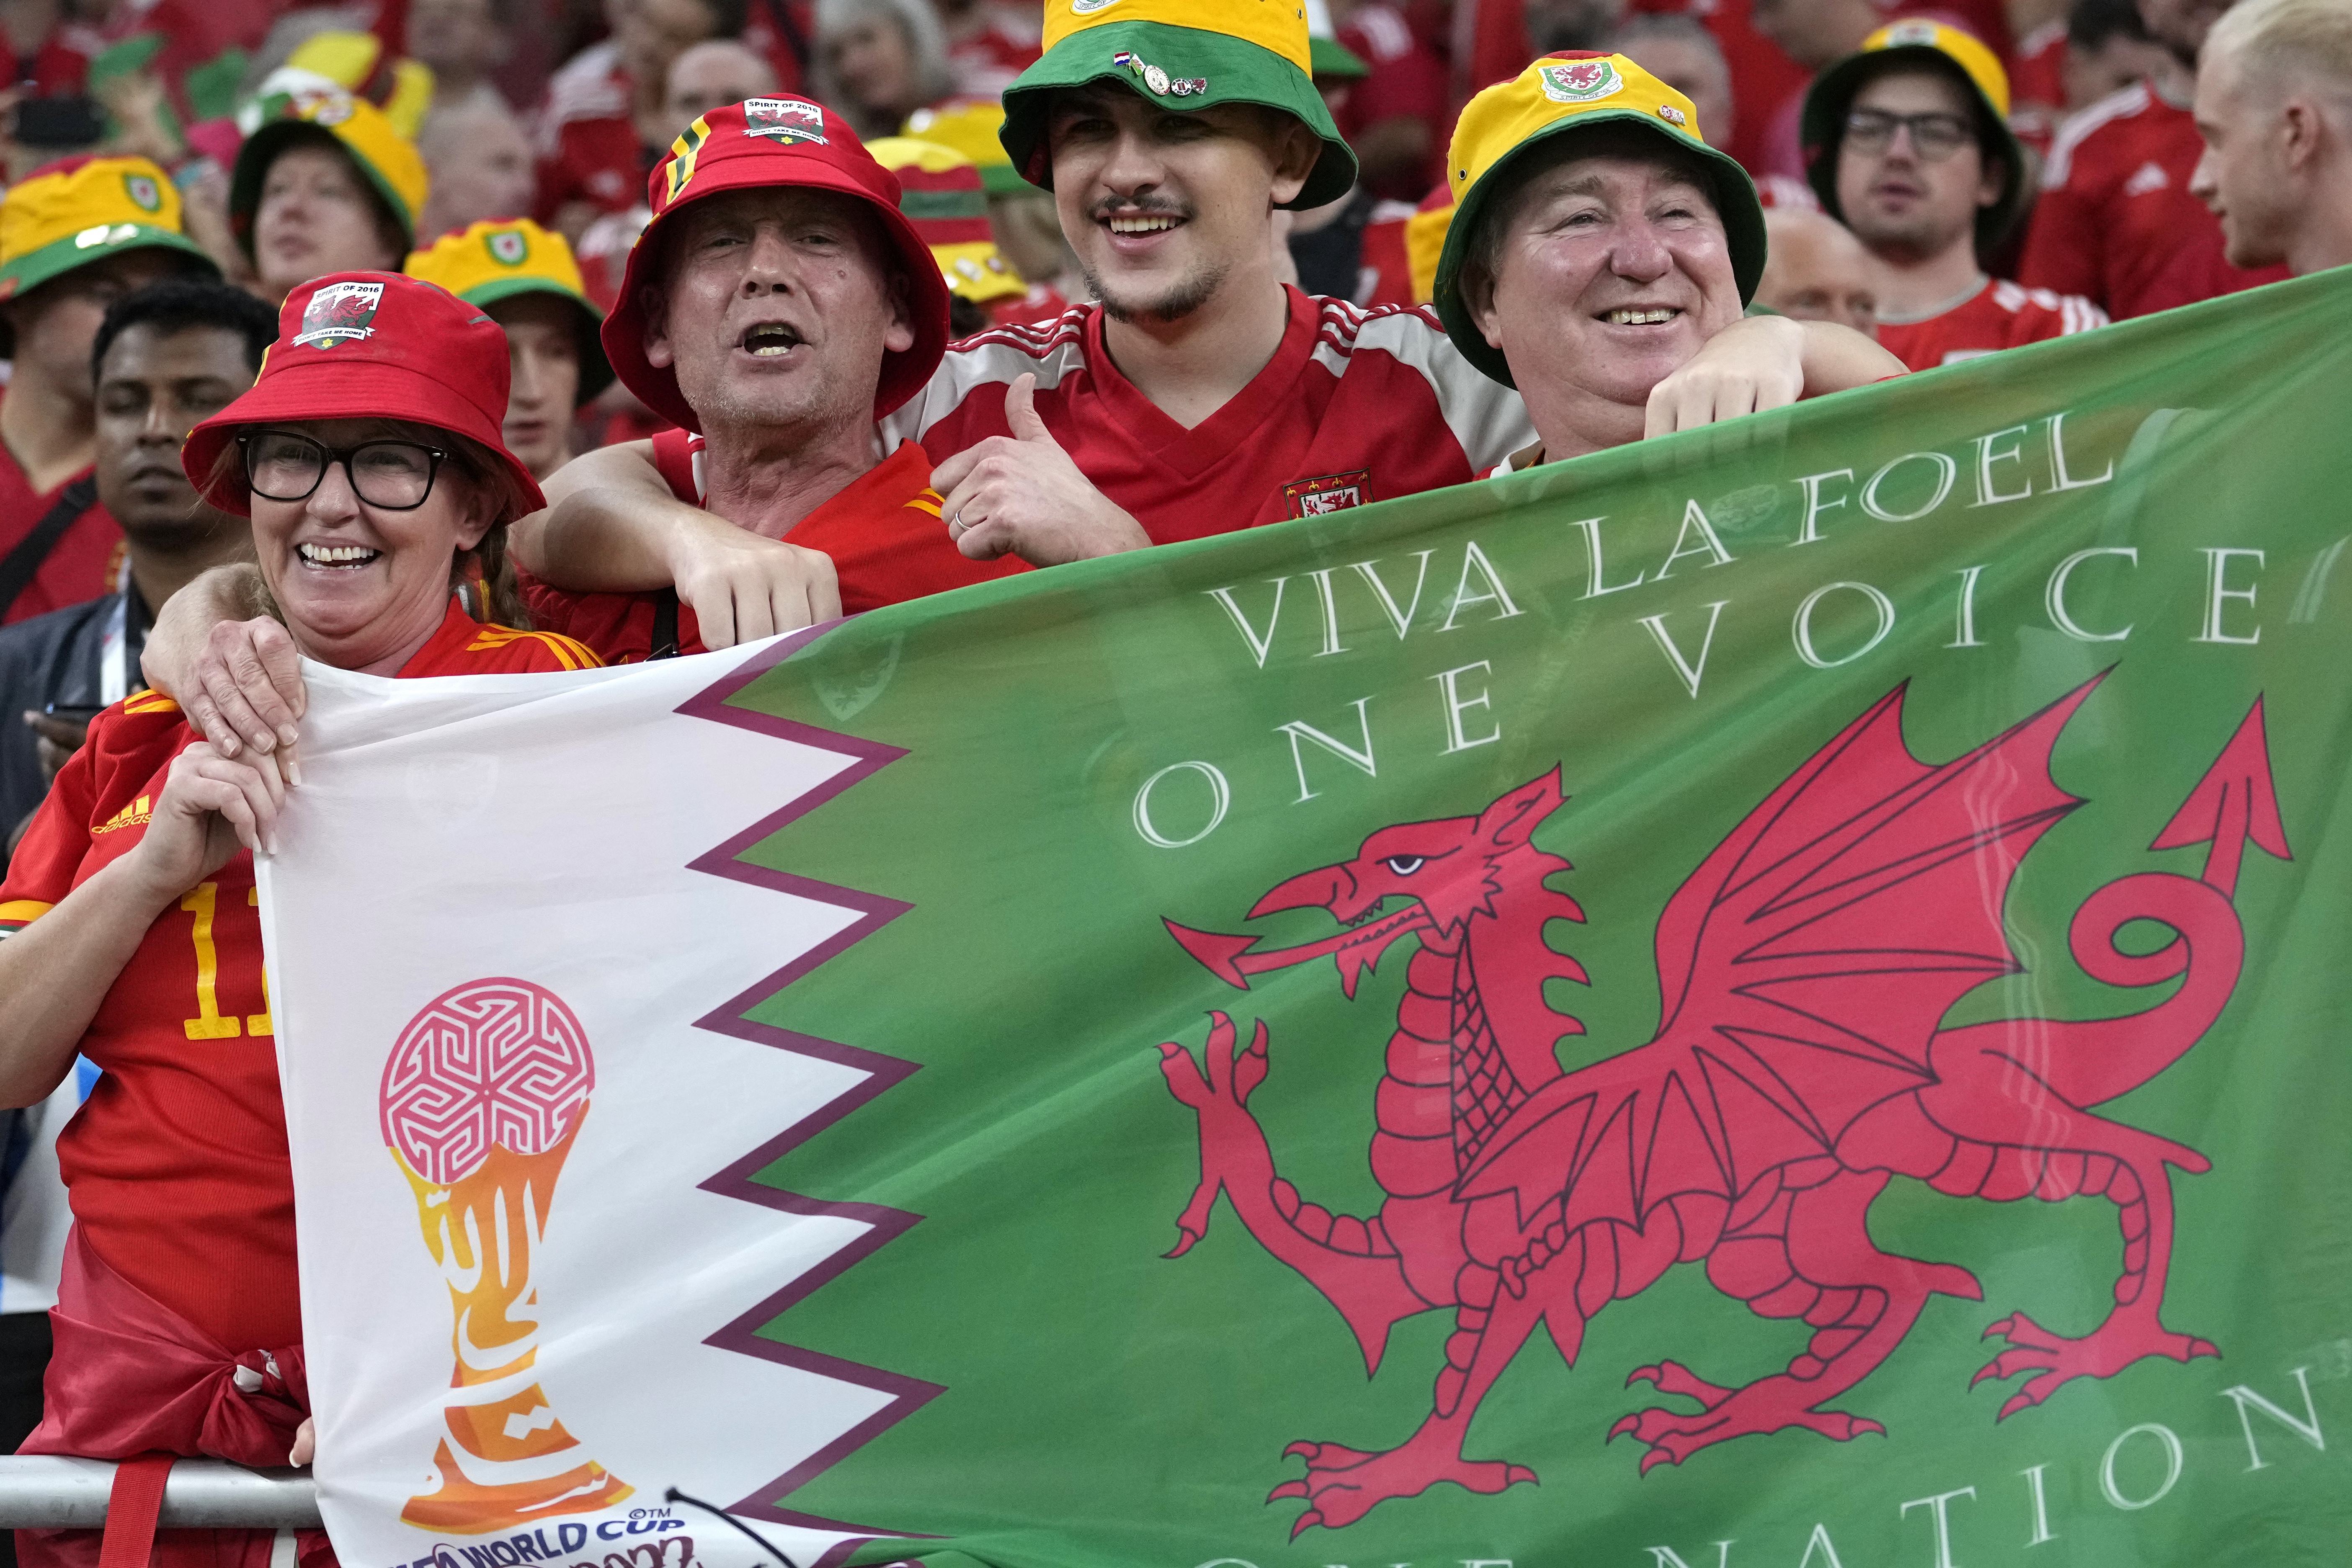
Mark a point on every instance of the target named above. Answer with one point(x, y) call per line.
point(1799, 841)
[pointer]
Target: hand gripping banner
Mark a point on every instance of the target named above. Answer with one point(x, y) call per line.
point(1768, 999)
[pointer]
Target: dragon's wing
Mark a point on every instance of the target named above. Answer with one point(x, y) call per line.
point(1803, 969)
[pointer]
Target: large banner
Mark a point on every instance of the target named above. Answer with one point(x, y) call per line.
point(1776, 999)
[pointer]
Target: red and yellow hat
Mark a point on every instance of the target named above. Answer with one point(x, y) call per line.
point(370, 345)
point(773, 143)
point(940, 193)
point(1559, 95)
point(500, 258)
point(81, 210)
point(387, 158)
point(1916, 41)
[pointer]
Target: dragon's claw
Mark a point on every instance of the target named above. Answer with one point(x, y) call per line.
point(1343, 1484)
point(1772, 1405)
point(2057, 1359)
point(1185, 1236)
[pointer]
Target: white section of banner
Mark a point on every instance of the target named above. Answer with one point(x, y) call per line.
point(538, 828)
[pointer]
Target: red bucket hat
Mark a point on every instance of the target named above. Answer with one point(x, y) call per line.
point(764, 143)
point(370, 345)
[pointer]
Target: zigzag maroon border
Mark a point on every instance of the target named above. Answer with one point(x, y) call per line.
point(908, 1394)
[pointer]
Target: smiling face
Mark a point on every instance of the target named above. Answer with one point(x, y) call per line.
point(1163, 208)
point(317, 217)
point(153, 388)
point(1903, 205)
point(363, 587)
point(543, 353)
point(1600, 276)
point(776, 310)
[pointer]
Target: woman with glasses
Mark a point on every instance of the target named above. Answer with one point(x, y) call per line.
point(368, 457)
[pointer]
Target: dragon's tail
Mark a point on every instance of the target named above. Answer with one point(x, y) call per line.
point(1339, 1232)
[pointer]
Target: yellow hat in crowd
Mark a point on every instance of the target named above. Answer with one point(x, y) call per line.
point(1566, 94)
point(499, 258)
point(387, 158)
point(1916, 41)
point(940, 192)
point(402, 87)
point(1180, 54)
point(81, 210)
point(970, 127)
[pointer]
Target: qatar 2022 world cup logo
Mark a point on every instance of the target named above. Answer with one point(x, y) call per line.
point(482, 1098)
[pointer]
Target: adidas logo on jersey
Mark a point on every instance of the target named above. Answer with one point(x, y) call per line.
point(2149, 176)
point(135, 815)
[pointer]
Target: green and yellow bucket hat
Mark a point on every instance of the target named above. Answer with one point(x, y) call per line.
point(387, 158)
point(1181, 55)
point(81, 210)
point(1915, 41)
point(1560, 94)
point(970, 126)
point(499, 258)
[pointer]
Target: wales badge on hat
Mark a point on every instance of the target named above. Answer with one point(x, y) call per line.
point(783, 120)
point(143, 192)
point(339, 313)
point(1580, 81)
point(508, 247)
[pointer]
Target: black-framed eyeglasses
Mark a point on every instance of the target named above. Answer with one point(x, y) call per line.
point(1936, 136)
point(395, 474)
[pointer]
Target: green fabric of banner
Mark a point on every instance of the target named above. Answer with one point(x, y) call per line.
point(1755, 928)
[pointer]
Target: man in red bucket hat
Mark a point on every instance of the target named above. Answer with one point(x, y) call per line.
point(777, 305)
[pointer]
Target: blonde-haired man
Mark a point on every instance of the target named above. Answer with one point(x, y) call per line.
point(2274, 105)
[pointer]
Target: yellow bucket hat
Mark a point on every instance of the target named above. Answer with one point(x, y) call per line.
point(1557, 95)
point(1180, 54)
point(499, 258)
point(1918, 41)
point(940, 192)
point(387, 158)
point(970, 127)
point(81, 210)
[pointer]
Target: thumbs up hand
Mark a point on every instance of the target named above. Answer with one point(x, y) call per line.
point(1021, 495)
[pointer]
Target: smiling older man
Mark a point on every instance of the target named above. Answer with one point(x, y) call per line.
point(1599, 247)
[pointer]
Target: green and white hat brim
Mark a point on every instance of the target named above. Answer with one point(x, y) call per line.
point(1200, 69)
point(55, 260)
point(595, 369)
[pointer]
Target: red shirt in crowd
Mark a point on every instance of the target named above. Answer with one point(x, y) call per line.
point(883, 533)
point(2000, 315)
point(2116, 223)
point(1407, 80)
point(1355, 406)
point(176, 1165)
point(1763, 77)
point(588, 149)
point(82, 564)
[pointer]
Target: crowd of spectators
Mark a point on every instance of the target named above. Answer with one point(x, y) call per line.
point(1136, 308)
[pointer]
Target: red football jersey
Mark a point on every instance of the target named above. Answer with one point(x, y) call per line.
point(2000, 315)
point(82, 566)
point(1407, 81)
point(1355, 406)
point(176, 1164)
point(2116, 223)
point(588, 149)
point(883, 532)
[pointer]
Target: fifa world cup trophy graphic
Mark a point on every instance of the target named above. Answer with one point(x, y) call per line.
point(482, 1098)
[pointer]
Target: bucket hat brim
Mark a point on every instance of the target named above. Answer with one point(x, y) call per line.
point(1212, 68)
point(595, 369)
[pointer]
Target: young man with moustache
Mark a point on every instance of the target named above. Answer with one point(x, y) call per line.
point(1200, 395)
point(2274, 105)
point(1908, 144)
point(1598, 245)
point(2116, 221)
point(166, 357)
